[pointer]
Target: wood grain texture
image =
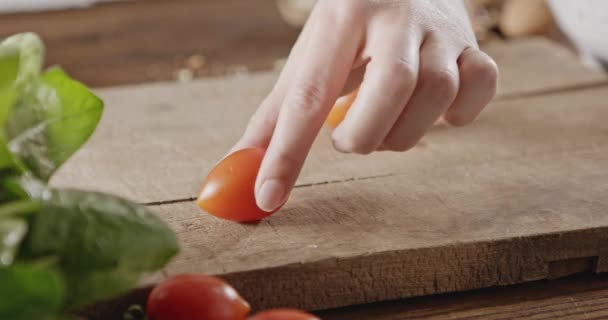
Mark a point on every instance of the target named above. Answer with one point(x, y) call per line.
point(142, 41)
point(538, 66)
point(506, 200)
point(462, 221)
point(156, 144)
point(581, 297)
point(576, 298)
point(417, 233)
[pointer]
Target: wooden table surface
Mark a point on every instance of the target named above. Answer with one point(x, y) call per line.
point(575, 298)
point(143, 41)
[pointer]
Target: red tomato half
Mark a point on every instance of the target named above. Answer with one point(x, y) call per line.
point(195, 297)
point(283, 314)
point(228, 192)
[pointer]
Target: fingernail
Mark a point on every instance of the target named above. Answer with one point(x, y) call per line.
point(271, 195)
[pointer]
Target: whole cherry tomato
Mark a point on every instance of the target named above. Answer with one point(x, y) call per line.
point(195, 297)
point(283, 314)
point(228, 191)
point(339, 110)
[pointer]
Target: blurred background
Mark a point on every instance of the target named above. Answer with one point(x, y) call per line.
point(117, 42)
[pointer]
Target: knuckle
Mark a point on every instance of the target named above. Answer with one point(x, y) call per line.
point(443, 82)
point(287, 160)
point(307, 98)
point(402, 72)
point(486, 71)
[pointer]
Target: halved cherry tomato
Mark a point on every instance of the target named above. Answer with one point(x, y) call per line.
point(195, 297)
point(339, 110)
point(283, 314)
point(228, 191)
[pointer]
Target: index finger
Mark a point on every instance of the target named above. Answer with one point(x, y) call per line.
point(317, 84)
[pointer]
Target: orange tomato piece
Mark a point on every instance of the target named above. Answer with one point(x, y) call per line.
point(228, 191)
point(339, 110)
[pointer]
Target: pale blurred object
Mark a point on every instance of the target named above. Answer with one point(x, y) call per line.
point(485, 16)
point(12, 6)
point(521, 18)
point(585, 23)
point(295, 12)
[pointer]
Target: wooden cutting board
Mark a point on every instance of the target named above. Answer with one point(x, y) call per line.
point(520, 195)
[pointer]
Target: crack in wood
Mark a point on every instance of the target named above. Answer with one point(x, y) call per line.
point(190, 199)
point(163, 202)
point(308, 185)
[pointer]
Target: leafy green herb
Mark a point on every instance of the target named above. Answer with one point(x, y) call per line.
point(6, 158)
point(51, 120)
point(9, 64)
point(88, 287)
point(31, 57)
point(105, 230)
point(29, 292)
point(116, 240)
point(60, 249)
point(12, 232)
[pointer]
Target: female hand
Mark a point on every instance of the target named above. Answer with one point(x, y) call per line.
point(414, 61)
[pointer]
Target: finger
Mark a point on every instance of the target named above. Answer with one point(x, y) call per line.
point(340, 109)
point(388, 84)
point(316, 86)
point(478, 85)
point(261, 125)
point(346, 99)
point(436, 90)
point(354, 80)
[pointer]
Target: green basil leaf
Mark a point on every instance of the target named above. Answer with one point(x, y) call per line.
point(93, 231)
point(80, 112)
point(103, 243)
point(6, 157)
point(31, 56)
point(51, 121)
point(89, 287)
point(12, 232)
point(20, 187)
point(9, 64)
point(30, 292)
point(8, 95)
point(22, 208)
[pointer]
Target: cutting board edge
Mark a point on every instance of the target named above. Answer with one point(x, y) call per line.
point(442, 269)
point(468, 266)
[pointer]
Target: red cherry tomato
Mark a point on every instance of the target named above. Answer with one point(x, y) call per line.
point(195, 297)
point(228, 191)
point(283, 314)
